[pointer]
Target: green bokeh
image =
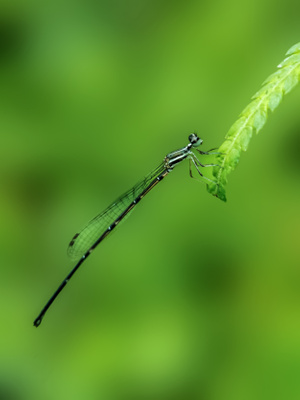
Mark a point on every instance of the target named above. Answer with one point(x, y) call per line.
point(191, 298)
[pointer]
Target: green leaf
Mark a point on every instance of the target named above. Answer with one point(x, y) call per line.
point(294, 49)
point(245, 137)
point(253, 118)
point(274, 99)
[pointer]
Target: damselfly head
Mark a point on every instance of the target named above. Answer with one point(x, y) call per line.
point(195, 140)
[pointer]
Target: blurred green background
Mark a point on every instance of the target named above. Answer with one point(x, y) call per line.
point(192, 298)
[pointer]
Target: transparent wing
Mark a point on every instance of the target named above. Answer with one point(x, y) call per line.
point(84, 240)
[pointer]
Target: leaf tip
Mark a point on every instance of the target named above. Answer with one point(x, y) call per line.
point(216, 190)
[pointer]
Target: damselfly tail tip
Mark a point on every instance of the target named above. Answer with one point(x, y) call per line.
point(37, 322)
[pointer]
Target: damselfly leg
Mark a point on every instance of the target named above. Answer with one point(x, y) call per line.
point(193, 159)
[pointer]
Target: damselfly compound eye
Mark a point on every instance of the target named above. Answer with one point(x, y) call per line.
point(195, 140)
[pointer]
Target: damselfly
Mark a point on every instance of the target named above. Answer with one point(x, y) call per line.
point(83, 243)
